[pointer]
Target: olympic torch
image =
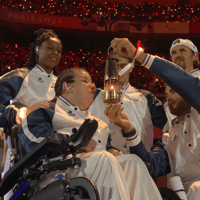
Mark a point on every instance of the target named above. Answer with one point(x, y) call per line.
point(111, 92)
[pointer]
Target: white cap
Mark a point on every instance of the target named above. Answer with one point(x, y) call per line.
point(185, 42)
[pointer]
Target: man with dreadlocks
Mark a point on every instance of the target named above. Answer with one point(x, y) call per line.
point(31, 84)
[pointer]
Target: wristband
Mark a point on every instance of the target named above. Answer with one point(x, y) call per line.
point(129, 134)
point(137, 53)
point(134, 140)
point(148, 61)
point(145, 61)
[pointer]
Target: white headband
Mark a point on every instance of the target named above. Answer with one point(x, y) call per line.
point(185, 42)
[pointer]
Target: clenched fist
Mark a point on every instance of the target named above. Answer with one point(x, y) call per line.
point(123, 47)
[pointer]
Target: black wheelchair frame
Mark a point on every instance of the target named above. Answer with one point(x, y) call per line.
point(28, 169)
point(24, 175)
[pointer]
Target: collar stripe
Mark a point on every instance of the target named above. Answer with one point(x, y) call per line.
point(39, 68)
point(126, 85)
point(194, 70)
point(64, 100)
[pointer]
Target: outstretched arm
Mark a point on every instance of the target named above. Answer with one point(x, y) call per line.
point(184, 84)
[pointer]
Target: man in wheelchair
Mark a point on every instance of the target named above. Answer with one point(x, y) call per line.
point(116, 176)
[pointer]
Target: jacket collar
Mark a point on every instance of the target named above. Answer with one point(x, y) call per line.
point(41, 69)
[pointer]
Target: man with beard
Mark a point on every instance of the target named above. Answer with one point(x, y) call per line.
point(184, 54)
point(178, 150)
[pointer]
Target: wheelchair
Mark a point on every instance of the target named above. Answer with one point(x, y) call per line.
point(24, 175)
point(27, 170)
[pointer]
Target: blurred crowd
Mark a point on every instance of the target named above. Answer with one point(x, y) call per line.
point(16, 56)
point(147, 12)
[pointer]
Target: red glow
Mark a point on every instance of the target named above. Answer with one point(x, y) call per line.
point(138, 43)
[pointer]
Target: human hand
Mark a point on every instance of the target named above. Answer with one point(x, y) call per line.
point(117, 117)
point(123, 47)
point(90, 147)
point(36, 106)
point(115, 152)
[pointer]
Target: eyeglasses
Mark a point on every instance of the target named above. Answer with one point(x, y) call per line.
point(88, 82)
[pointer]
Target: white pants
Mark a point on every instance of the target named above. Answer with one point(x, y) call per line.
point(193, 190)
point(140, 184)
point(122, 178)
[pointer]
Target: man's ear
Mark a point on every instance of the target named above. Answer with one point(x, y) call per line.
point(67, 87)
point(195, 56)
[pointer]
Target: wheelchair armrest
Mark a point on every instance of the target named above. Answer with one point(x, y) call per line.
point(61, 165)
point(81, 137)
point(47, 146)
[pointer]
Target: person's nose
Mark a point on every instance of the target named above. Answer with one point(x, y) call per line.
point(55, 52)
point(92, 86)
point(179, 54)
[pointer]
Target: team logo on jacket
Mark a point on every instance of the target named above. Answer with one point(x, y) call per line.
point(40, 80)
point(70, 113)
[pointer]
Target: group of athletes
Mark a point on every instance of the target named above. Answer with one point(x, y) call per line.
point(120, 159)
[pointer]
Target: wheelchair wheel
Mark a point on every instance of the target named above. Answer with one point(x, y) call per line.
point(85, 187)
point(79, 188)
point(166, 193)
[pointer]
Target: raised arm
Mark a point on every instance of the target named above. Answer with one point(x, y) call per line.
point(184, 84)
